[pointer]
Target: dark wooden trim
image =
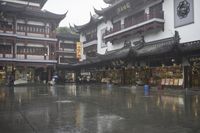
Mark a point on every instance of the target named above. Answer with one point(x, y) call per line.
point(28, 26)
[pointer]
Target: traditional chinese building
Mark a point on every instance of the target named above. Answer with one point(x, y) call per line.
point(147, 41)
point(27, 40)
point(66, 52)
point(88, 36)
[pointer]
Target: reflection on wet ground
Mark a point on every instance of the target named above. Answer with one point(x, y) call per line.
point(97, 109)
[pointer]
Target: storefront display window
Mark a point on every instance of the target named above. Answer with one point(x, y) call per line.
point(195, 71)
point(196, 75)
point(24, 75)
point(2, 76)
point(168, 76)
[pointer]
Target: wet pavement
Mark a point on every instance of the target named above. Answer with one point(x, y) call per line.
point(97, 109)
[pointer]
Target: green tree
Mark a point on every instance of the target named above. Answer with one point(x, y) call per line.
point(65, 30)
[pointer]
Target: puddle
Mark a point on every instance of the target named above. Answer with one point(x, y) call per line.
point(110, 117)
point(64, 101)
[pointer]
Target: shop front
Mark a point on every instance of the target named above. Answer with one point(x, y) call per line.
point(166, 76)
point(113, 75)
point(194, 71)
point(7, 73)
point(24, 75)
point(169, 76)
point(2, 75)
point(190, 52)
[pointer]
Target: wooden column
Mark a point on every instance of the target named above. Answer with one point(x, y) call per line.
point(14, 50)
point(49, 74)
point(45, 28)
point(4, 28)
point(26, 21)
point(4, 41)
point(123, 76)
point(25, 54)
point(46, 74)
point(14, 25)
point(46, 53)
point(187, 76)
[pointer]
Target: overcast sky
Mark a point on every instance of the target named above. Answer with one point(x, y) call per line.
point(78, 10)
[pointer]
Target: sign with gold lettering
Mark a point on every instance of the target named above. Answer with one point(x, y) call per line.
point(78, 50)
point(123, 7)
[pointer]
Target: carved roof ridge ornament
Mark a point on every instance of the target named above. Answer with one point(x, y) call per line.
point(73, 28)
point(41, 2)
point(61, 15)
point(177, 37)
point(103, 10)
point(32, 12)
point(139, 44)
point(93, 19)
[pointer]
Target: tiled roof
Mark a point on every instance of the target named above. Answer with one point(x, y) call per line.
point(156, 47)
point(33, 12)
point(94, 19)
point(190, 46)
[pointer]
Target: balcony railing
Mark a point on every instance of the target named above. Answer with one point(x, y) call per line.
point(138, 20)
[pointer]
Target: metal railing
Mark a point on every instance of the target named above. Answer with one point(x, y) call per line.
point(135, 21)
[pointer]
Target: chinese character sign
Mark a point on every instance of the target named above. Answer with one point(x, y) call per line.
point(78, 50)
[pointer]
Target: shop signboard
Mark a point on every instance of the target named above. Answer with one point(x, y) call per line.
point(123, 7)
point(78, 50)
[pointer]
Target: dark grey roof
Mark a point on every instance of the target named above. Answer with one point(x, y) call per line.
point(42, 2)
point(117, 54)
point(104, 10)
point(135, 5)
point(141, 49)
point(156, 47)
point(110, 1)
point(29, 11)
point(109, 56)
point(190, 46)
point(94, 19)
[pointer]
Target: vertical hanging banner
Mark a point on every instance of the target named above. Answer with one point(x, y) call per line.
point(78, 50)
point(183, 12)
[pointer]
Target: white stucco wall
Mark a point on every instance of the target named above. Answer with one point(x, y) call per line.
point(36, 23)
point(187, 32)
point(35, 35)
point(168, 9)
point(36, 57)
point(104, 25)
point(191, 32)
